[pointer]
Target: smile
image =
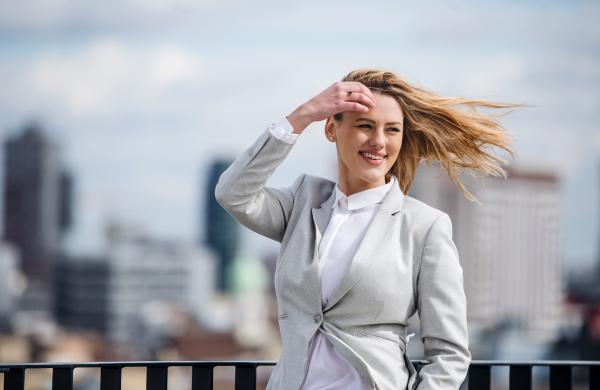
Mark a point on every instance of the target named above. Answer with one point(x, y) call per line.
point(371, 158)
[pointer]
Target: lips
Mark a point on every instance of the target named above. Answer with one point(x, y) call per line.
point(373, 157)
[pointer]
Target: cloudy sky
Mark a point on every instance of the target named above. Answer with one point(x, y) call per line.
point(143, 94)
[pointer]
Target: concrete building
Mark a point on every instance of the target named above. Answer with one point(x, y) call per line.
point(128, 294)
point(510, 246)
point(82, 294)
point(222, 231)
point(37, 208)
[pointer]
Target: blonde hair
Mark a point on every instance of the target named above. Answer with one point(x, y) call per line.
point(438, 129)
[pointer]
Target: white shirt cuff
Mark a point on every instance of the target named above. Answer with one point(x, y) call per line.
point(282, 130)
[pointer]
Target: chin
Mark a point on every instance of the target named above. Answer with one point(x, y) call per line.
point(373, 178)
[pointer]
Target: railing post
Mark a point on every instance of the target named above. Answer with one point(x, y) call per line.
point(245, 378)
point(561, 378)
point(520, 378)
point(202, 378)
point(110, 378)
point(594, 377)
point(479, 378)
point(156, 378)
point(62, 378)
point(14, 379)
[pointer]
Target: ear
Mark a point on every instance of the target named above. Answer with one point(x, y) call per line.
point(330, 127)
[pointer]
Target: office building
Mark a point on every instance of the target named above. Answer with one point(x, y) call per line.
point(31, 200)
point(222, 231)
point(36, 209)
point(114, 295)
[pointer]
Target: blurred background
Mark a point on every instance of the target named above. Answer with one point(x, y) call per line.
point(118, 117)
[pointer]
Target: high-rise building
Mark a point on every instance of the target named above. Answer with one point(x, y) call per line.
point(222, 230)
point(66, 201)
point(510, 246)
point(34, 195)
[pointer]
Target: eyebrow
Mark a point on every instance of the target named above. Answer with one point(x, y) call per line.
point(372, 121)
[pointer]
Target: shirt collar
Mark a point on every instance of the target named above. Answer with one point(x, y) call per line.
point(364, 198)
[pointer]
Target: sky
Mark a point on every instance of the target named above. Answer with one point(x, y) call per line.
point(143, 94)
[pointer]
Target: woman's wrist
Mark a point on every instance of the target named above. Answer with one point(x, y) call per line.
point(299, 119)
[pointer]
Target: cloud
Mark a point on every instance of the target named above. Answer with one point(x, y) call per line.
point(108, 77)
point(89, 16)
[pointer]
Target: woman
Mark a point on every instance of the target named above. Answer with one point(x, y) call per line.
point(359, 258)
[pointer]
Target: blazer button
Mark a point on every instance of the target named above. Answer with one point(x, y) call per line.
point(317, 318)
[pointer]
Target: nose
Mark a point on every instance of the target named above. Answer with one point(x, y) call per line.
point(378, 139)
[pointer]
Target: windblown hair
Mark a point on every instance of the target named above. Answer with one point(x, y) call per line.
point(440, 129)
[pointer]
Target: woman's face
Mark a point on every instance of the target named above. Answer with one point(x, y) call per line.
point(368, 143)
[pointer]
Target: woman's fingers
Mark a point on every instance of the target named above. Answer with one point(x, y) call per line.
point(360, 98)
point(354, 96)
point(352, 106)
point(358, 88)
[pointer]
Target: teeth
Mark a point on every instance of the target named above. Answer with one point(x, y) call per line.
point(372, 156)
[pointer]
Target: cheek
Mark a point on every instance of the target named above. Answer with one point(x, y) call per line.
point(395, 154)
point(345, 152)
point(350, 147)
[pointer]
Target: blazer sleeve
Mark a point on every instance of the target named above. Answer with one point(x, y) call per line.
point(442, 306)
point(241, 188)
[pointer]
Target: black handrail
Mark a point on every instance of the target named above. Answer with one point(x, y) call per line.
point(479, 375)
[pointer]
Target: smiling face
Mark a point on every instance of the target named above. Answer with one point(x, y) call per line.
point(367, 143)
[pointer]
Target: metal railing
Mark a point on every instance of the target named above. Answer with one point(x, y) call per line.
point(479, 375)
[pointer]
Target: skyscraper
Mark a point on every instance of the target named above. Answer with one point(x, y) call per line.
point(32, 198)
point(222, 230)
point(66, 201)
point(33, 195)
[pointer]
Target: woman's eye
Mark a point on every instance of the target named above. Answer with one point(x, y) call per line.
point(365, 126)
point(394, 129)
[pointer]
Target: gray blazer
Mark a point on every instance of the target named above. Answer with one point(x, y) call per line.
point(406, 262)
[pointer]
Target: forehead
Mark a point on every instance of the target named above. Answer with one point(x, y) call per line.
point(387, 104)
point(387, 109)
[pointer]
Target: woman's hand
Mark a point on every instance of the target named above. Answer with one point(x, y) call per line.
point(340, 97)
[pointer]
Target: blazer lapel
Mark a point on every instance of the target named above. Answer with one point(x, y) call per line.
point(322, 215)
point(377, 233)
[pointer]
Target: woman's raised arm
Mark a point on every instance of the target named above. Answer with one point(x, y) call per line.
point(241, 189)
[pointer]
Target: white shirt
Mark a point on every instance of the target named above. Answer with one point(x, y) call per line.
point(351, 216)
